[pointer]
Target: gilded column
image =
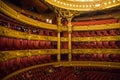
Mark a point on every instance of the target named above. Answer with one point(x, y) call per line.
point(58, 44)
point(69, 37)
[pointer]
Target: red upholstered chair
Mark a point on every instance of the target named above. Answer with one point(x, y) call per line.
point(76, 34)
point(17, 43)
point(36, 44)
point(100, 44)
point(65, 34)
point(99, 33)
point(105, 33)
point(48, 44)
point(113, 44)
point(41, 32)
point(92, 33)
point(106, 44)
point(9, 43)
point(73, 34)
point(100, 57)
point(94, 57)
point(106, 57)
point(112, 32)
point(30, 44)
point(3, 42)
point(81, 34)
point(94, 44)
point(86, 33)
point(25, 44)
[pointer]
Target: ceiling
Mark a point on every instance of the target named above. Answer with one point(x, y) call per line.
point(43, 7)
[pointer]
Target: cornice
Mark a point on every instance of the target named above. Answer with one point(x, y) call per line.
point(115, 65)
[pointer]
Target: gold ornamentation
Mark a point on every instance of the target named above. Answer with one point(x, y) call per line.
point(104, 38)
point(97, 51)
point(6, 55)
point(17, 34)
point(97, 27)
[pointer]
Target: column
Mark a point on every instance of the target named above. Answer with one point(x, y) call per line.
point(69, 37)
point(58, 43)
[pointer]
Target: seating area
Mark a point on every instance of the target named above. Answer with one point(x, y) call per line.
point(95, 22)
point(100, 44)
point(111, 57)
point(64, 45)
point(22, 44)
point(26, 28)
point(60, 40)
point(9, 66)
point(95, 33)
point(68, 73)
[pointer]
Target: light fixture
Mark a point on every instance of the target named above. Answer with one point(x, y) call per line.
point(97, 5)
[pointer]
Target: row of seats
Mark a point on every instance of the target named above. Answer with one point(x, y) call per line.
point(111, 32)
point(96, 57)
point(64, 45)
point(20, 44)
point(66, 73)
point(95, 22)
point(27, 29)
point(100, 44)
point(93, 33)
point(44, 73)
point(9, 66)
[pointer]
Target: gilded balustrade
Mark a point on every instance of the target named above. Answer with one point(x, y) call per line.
point(16, 34)
point(6, 55)
point(97, 27)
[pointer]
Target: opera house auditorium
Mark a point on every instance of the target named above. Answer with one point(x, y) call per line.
point(59, 39)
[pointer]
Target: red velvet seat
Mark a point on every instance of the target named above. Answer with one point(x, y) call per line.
point(112, 32)
point(105, 33)
point(113, 44)
point(100, 45)
point(99, 33)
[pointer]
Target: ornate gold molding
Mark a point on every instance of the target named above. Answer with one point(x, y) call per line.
point(83, 5)
point(97, 27)
point(93, 27)
point(17, 34)
point(88, 39)
point(96, 51)
point(6, 55)
point(16, 15)
point(115, 65)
